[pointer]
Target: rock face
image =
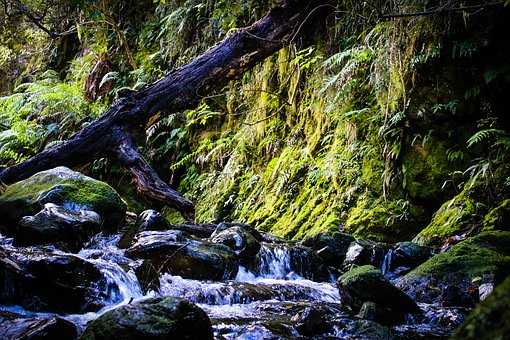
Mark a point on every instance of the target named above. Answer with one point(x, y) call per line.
point(452, 278)
point(157, 318)
point(64, 228)
point(63, 187)
point(177, 253)
point(331, 248)
point(489, 320)
point(366, 283)
point(43, 281)
point(242, 239)
point(16, 327)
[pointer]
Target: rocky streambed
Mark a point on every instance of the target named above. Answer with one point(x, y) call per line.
point(64, 275)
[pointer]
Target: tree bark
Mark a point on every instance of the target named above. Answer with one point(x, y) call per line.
point(180, 89)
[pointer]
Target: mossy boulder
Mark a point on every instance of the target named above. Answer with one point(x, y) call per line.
point(367, 283)
point(155, 318)
point(490, 319)
point(452, 278)
point(63, 187)
point(472, 210)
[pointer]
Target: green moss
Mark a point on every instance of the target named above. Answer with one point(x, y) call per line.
point(425, 168)
point(462, 213)
point(382, 220)
point(63, 187)
point(487, 253)
point(489, 320)
point(498, 218)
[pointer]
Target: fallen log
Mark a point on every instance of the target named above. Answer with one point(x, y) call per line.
point(183, 88)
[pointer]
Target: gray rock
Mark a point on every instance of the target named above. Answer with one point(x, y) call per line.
point(66, 229)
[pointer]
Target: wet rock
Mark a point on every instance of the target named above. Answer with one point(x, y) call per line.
point(452, 278)
point(366, 283)
point(177, 253)
point(66, 229)
point(365, 329)
point(147, 220)
point(14, 326)
point(362, 253)
point(151, 220)
point(489, 320)
point(197, 230)
point(40, 280)
point(241, 238)
point(311, 321)
point(63, 187)
point(373, 312)
point(331, 248)
point(404, 257)
point(156, 318)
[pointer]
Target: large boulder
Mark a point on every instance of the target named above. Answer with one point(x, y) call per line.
point(489, 320)
point(241, 238)
point(59, 226)
point(177, 253)
point(331, 248)
point(64, 187)
point(41, 280)
point(156, 318)
point(367, 283)
point(454, 278)
point(17, 327)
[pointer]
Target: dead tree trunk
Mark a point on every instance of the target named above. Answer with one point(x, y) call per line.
point(181, 89)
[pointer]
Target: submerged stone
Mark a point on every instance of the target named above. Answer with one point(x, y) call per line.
point(63, 187)
point(155, 318)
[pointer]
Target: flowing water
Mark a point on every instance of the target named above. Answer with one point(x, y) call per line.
point(263, 302)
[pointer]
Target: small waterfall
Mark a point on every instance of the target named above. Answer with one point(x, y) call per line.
point(386, 264)
point(117, 269)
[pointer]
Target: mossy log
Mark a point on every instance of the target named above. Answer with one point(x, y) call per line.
point(183, 88)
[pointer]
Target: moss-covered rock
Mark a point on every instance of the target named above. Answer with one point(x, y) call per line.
point(63, 187)
point(448, 278)
point(490, 319)
point(366, 283)
point(156, 318)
